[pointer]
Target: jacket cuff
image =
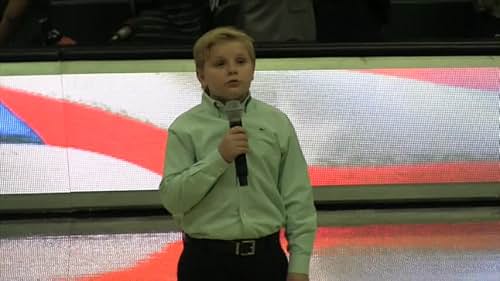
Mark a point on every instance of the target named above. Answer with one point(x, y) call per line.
point(299, 264)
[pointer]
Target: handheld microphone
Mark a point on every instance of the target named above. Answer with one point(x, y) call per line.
point(234, 110)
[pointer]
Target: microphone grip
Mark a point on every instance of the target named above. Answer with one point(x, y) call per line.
point(240, 161)
point(241, 169)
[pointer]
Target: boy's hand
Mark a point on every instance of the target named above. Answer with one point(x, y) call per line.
point(297, 277)
point(234, 143)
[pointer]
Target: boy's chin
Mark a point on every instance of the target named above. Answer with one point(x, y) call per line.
point(231, 96)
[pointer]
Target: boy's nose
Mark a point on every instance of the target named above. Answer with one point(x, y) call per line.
point(231, 68)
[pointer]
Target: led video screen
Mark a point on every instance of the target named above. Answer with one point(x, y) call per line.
point(465, 251)
point(92, 131)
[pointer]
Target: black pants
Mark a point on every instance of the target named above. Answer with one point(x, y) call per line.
point(261, 260)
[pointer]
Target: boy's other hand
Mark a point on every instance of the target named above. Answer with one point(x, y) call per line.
point(234, 143)
point(297, 277)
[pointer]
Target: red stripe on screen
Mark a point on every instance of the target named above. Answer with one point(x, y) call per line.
point(471, 172)
point(67, 124)
point(487, 78)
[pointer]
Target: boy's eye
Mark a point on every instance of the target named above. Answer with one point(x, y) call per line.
point(241, 61)
point(219, 63)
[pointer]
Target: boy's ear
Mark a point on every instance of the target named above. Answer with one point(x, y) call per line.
point(201, 78)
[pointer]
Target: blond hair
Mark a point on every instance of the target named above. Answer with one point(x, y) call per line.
point(201, 48)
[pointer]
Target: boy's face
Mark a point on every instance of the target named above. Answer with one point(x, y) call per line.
point(227, 72)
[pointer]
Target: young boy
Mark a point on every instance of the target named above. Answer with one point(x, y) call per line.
point(231, 230)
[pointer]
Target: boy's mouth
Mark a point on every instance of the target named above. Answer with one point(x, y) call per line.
point(233, 83)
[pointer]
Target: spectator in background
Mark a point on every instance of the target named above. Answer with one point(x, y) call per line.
point(166, 21)
point(488, 17)
point(490, 6)
point(13, 12)
point(25, 23)
point(268, 20)
point(351, 20)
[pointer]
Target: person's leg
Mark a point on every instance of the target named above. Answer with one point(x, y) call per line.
point(270, 266)
point(197, 264)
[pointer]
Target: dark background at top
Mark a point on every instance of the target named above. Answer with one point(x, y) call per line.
point(94, 22)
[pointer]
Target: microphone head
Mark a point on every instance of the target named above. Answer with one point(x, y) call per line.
point(233, 110)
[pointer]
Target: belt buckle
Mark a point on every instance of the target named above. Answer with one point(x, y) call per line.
point(245, 248)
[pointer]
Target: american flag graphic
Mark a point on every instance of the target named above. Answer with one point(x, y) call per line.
point(106, 132)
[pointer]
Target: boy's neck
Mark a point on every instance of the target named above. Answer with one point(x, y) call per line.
point(242, 100)
point(219, 103)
